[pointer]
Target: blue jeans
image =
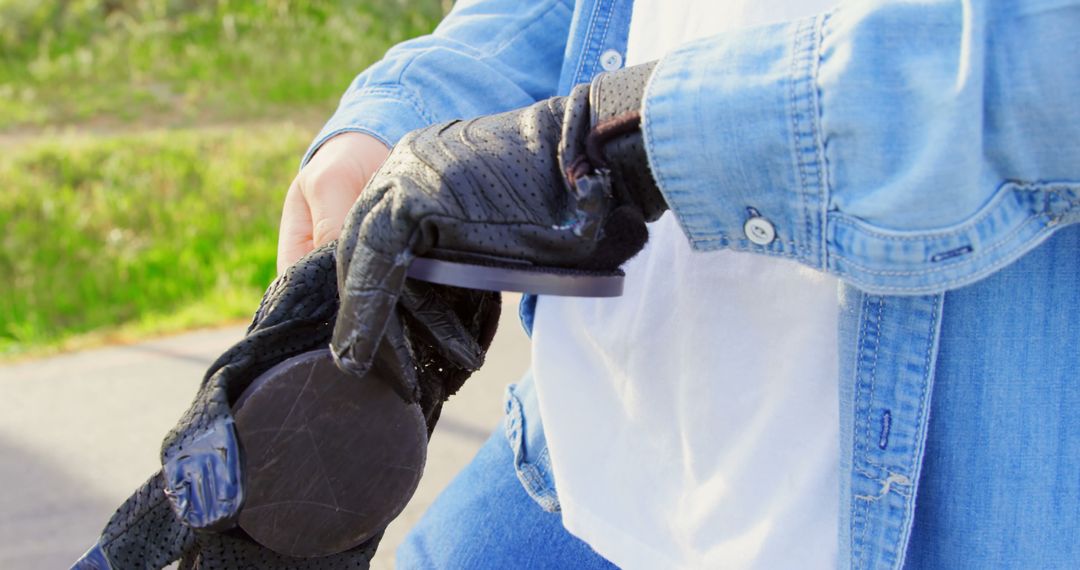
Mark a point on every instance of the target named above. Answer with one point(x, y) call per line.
point(485, 519)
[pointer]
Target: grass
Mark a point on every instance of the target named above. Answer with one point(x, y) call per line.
point(169, 221)
point(153, 231)
point(66, 62)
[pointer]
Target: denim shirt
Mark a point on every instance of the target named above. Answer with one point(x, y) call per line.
point(927, 153)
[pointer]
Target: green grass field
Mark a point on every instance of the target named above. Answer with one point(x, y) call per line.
point(125, 61)
point(146, 145)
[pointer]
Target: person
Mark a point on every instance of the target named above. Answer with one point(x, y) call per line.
point(847, 341)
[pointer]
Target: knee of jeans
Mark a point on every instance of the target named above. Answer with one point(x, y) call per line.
point(525, 434)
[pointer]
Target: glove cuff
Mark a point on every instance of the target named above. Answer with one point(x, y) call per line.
point(615, 141)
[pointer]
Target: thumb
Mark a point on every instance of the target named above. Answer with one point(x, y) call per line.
point(330, 203)
point(371, 283)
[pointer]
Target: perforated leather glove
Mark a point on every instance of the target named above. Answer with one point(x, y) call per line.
point(559, 186)
point(187, 510)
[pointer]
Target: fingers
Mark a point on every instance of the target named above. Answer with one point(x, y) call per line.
point(315, 209)
point(372, 284)
point(395, 364)
point(438, 324)
point(319, 200)
point(295, 233)
point(202, 482)
point(330, 203)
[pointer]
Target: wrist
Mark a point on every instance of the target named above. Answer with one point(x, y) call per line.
point(363, 149)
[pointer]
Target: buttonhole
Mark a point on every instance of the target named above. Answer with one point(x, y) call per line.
point(957, 252)
point(886, 425)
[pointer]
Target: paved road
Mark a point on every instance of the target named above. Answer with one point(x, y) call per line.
point(79, 432)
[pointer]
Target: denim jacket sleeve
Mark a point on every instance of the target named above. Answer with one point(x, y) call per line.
point(907, 147)
point(486, 56)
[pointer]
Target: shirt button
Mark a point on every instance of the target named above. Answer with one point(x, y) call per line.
point(611, 60)
point(759, 230)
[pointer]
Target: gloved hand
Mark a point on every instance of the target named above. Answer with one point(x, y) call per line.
point(187, 510)
point(560, 186)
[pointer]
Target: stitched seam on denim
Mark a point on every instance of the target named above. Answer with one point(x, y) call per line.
point(826, 191)
point(535, 485)
point(397, 94)
point(861, 371)
point(1050, 226)
point(869, 419)
point(588, 44)
point(965, 279)
point(324, 137)
point(1048, 190)
point(745, 246)
point(798, 116)
point(544, 457)
point(357, 129)
point(860, 514)
point(401, 94)
point(662, 181)
point(924, 395)
point(796, 119)
point(602, 37)
point(900, 532)
point(854, 519)
point(804, 123)
point(927, 358)
point(966, 260)
point(585, 47)
point(529, 475)
point(745, 242)
point(510, 433)
point(822, 193)
point(533, 482)
point(543, 466)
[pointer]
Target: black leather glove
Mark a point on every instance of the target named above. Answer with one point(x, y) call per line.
point(188, 509)
point(560, 186)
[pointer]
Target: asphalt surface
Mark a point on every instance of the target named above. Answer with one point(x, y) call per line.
point(79, 432)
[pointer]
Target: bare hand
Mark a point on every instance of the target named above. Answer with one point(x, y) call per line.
point(324, 191)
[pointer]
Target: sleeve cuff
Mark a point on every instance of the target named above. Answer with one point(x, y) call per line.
point(386, 113)
point(731, 131)
point(737, 141)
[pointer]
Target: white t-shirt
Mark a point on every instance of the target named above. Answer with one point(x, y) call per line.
point(692, 422)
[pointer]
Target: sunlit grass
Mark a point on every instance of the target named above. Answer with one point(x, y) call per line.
point(155, 231)
point(119, 61)
point(146, 230)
